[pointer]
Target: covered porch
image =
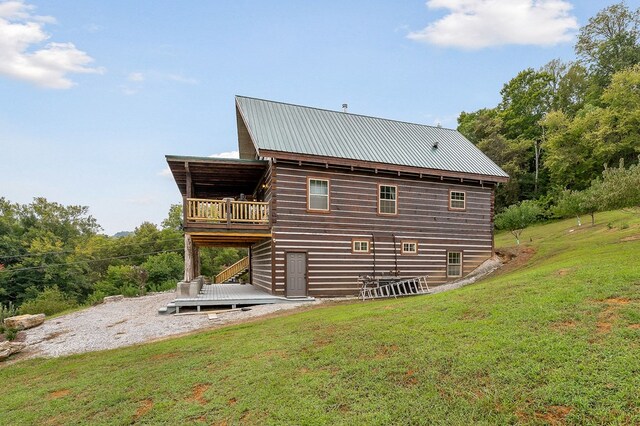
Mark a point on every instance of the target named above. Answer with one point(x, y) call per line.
point(226, 203)
point(222, 194)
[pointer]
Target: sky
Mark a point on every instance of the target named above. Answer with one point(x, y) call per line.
point(94, 94)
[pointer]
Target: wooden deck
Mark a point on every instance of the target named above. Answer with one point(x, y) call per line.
point(231, 295)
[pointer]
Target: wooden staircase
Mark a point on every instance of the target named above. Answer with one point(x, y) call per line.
point(233, 271)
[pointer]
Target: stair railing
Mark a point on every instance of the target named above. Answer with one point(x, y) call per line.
point(232, 270)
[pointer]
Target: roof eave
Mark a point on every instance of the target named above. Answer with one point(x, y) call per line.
point(240, 115)
point(212, 160)
point(282, 155)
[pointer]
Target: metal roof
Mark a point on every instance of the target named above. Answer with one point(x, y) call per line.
point(277, 126)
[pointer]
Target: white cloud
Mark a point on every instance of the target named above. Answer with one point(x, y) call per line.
point(182, 79)
point(166, 172)
point(476, 24)
point(135, 76)
point(228, 154)
point(20, 33)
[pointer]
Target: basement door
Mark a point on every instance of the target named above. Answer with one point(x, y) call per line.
point(296, 274)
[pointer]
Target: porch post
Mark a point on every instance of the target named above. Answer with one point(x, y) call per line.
point(196, 261)
point(188, 258)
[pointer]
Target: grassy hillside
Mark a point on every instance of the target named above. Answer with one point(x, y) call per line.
point(553, 338)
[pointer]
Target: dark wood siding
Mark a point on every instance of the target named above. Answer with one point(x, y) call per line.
point(262, 252)
point(261, 263)
point(423, 217)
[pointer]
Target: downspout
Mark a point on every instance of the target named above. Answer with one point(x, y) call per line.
point(395, 255)
point(373, 244)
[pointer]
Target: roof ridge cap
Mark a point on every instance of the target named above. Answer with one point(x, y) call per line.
point(348, 113)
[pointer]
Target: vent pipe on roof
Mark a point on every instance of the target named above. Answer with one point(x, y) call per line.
point(435, 145)
point(344, 107)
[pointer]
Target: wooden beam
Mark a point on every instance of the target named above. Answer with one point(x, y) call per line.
point(189, 184)
point(334, 161)
point(188, 258)
point(196, 261)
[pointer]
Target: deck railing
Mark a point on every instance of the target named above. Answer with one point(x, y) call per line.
point(233, 270)
point(228, 211)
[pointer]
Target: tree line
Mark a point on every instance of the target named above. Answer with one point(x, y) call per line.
point(54, 257)
point(559, 129)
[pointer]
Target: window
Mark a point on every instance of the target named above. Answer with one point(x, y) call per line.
point(318, 194)
point(409, 247)
point(360, 246)
point(457, 200)
point(454, 264)
point(387, 199)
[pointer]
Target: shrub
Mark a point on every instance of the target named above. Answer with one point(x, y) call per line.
point(10, 333)
point(120, 279)
point(96, 298)
point(50, 301)
point(167, 285)
point(7, 311)
point(162, 268)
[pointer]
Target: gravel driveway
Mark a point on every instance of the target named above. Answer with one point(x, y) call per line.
point(126, 322)
point(136, 320)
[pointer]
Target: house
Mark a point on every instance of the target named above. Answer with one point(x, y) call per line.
point(322, 197)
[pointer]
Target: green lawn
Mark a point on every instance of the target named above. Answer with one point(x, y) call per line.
point(555, 340)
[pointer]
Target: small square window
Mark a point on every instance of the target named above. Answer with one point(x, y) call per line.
point(454, 264)
point(360, 246)
point(318, 194)
point(457, 200)
point(387, 199)
point(409, 247)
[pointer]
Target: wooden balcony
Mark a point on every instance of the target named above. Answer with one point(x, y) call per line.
point(227, 220)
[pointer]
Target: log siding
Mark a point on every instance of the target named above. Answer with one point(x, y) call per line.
point(423, 216)
point(262, 253)
point(261, 265)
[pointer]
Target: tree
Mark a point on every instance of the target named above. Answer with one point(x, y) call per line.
point(569, 85)
point(621, 187)
point(570, 158)
point(479, 125)
point(609, 42)
point(525, 101)
point(568, 204)
point(485, 129)
point(174, 218)
point(41, 238)
point(517, 217)
point(591, 200)
point(618, 132)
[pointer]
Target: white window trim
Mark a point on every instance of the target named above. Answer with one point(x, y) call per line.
point(464, 200)
point(353, 246)
point(454, 264)
point(395, 201)
point(309, 208)
point(415, 245)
